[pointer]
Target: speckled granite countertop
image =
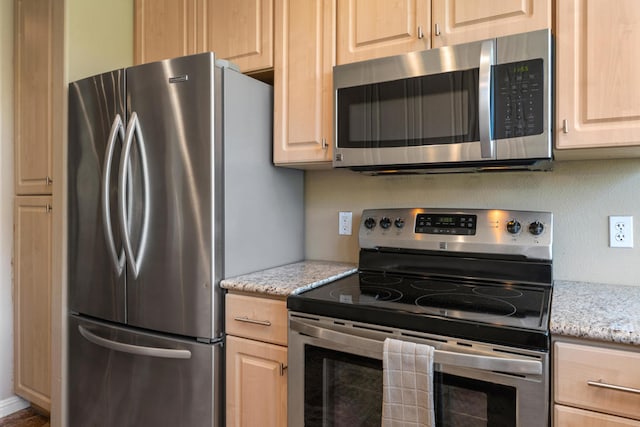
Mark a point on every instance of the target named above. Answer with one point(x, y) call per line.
point(289, 279)
point(609, 313)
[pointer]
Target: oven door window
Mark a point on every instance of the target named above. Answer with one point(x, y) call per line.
point(472, 403)
point(342, 389)
point(426, 110)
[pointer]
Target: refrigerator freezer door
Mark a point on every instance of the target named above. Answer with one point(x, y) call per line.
point(96, 255)
point(118, 377)
point(170, 285)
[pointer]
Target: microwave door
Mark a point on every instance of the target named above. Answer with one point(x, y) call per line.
point(439, 117)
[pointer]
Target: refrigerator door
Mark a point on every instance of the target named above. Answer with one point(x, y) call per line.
point(168, 233)
point(96, 254)
point(118, 377)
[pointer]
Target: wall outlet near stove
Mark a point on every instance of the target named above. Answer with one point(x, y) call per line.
point(344, 223)
point(621, 231)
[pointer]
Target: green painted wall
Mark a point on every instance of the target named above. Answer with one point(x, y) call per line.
point(99, 36)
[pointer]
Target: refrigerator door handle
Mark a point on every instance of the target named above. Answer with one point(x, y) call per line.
point(166, 353)
point(117, 129)
point(133, 129)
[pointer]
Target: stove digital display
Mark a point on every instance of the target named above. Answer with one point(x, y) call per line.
point(427, 223)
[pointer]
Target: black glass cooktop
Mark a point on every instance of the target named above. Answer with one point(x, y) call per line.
point(499, 312)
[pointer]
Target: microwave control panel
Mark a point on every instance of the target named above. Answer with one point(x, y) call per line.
point(518, 99)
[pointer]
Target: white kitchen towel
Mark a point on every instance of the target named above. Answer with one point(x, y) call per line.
point(407, 385)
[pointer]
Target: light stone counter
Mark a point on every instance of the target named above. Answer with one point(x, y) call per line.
point(592, 311)
point(609, 313)
point(289, 279)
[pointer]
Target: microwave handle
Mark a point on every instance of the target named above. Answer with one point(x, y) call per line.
point(487, 60)
point(374, 349)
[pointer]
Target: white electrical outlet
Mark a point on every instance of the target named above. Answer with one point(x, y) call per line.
point(621, 231)
point(344, 223)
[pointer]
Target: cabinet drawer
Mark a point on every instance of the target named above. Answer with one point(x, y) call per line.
point(563, 416)
point(257, 318)
point(584, 376)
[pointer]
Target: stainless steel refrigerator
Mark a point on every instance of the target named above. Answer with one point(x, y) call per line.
point(171, 187)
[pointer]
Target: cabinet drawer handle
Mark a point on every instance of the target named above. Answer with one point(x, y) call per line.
point(283, 368)
point(565, 126)
point(420, 33)
point(600, 384)
point(255, 322)
point(437, 30)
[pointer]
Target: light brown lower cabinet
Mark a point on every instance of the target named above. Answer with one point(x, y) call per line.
point(256, 383)
point(565, 416)
point(256, 361)
point(32, 299)
point(596, 385)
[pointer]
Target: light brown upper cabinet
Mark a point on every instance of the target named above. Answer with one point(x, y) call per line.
point(32, 299)
point(242, 32)
point(304, 58)
point(597, 83)
point(461, 21)
point(312, 36)
point(164, 29)
point(375, 28)
point(33, 96)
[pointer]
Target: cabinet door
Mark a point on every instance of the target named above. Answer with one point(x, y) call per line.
point(375, 28)
point(303, 83)
point(256, 383)
point(582, 380)
point(596, 74)
point(33, 96)
point(164, 29)
point(460, 21)
point(32, 299)
point(242, 32)
point(565, 416)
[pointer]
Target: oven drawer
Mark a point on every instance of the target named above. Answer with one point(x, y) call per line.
point(601, 379)
point(256, 318)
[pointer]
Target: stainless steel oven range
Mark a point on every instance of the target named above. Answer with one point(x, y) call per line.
point(474, 284)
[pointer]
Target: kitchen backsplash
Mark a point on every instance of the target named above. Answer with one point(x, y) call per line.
point(581, 196)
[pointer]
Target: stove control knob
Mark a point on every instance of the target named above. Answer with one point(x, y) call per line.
point(385, 222)
point(513, 227)
point(370, 223)
point(399, 222)
point(536, 228)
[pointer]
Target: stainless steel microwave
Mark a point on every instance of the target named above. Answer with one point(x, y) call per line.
point(477, 106)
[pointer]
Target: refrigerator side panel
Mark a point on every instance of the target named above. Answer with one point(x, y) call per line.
point(169, 218)
point(109, 386)
point(96, 283)
point(263, 204)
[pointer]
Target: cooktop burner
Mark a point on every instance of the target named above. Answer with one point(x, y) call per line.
point(424, 270)
point(479, 310)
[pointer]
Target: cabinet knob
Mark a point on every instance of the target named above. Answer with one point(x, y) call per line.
point(420, 33)
point(565, 126)
point(437, 30)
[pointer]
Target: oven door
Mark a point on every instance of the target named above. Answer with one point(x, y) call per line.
point(335, 379)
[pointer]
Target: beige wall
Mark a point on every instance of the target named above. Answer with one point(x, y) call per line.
point(581, 195)
point(6, 198)
point(99, 36)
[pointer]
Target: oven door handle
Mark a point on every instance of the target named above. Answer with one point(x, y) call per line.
point(374, 348)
